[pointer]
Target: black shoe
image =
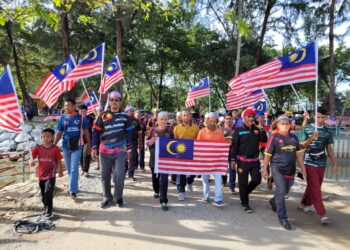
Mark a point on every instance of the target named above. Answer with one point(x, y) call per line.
point(247, 209)
point(285, 223)
point(273, 205)
point(106, 203)
point(73, 196)
point(156, 196)
point(120, 202)
point(164, 206)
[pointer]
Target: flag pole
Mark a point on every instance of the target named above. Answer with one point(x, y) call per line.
point(209, 95)
point(268, 100)
point(316, 84)
point(103, 57)
point(296, 93)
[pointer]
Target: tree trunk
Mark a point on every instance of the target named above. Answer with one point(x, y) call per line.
point(28, 100)
point(269, 6)
point(119, 39)
point(331, 60)
point(160, 87)
point(238, 54)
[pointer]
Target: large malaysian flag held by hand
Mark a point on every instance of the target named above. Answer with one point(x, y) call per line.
point(92, 103)
point(298, 66)
point(191, 157)
point(202, 88)
point(190, 103)
point(51, 87)
point(235, 101)
point(10, 112)
point(90, 65)
point(112, 75)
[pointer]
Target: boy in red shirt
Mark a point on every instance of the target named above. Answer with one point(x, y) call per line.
point(49, 157)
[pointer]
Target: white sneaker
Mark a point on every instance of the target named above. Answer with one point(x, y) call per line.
point(190, 188)
point(325, 220)
point(181, 196)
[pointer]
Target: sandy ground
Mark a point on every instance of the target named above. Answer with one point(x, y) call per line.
point(190, 224)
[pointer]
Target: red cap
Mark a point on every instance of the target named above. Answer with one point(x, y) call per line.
point(248, 111)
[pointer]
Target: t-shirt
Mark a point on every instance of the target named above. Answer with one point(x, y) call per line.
point(316, 149)
point(71, 126)
point(228, 133)
point(182, 131)
point(206, 134)
point(161, 133)
point(111, 132)
point(48, 161)
point(282, 150)
point(136, 129)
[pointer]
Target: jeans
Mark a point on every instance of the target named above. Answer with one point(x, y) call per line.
point(113, 165)
point(283, 186)
point(232, 176)
point(217, 188)
point(71, 159)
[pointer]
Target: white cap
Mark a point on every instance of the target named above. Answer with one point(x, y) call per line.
point(163, 114)
point(221, 119)
point(129, 107)
point(178, 114)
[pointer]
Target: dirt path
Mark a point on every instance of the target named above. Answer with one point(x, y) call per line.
point(191, 224)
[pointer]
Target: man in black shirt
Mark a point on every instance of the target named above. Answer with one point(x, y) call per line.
point(281, 151)
point(245, 155)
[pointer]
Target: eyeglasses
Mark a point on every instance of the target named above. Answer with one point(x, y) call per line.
point(114, 100)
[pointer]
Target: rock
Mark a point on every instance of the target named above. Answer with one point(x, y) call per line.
point(29, 128)
point(24, 146)
point(13, 136)
point(36, 134)
point(5, 143)
point(22, 137)
point(5, 149)
point(5, 136)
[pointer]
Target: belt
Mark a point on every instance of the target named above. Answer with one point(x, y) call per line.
point(243, 159)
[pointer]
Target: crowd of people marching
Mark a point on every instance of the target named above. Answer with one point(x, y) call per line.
point(117, 140)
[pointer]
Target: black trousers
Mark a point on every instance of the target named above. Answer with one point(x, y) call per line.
point(160, 186)
point(85, 160)
point(132, 163)
point(47, 187)
point(244, 169)
point(183, 181)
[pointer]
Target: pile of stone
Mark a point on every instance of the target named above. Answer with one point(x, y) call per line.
point(19, 141)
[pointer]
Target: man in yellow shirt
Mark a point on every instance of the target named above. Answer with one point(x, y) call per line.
point(185, 130)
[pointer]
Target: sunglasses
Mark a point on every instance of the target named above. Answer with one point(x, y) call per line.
point(114, 100)
point(251, 116)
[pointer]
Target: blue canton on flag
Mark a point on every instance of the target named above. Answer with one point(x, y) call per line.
point(260, 107)
point(176, 148)
point(92, 103)
point(202, 88)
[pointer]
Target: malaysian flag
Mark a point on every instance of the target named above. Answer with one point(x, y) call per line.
point(112, 75)
point(235, 101)
point(10, 112)
point(91, 64)
point(260, 107)
point(190, 103)
point(200, 89)
point(92, 103)
point(51, 87)
point(298, 66)
point(191, 157)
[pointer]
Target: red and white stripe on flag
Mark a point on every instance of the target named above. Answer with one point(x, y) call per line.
point(91, 108)
point(199, 93)
point(209, 157)
point(239, 101)
point(108, 81)
point(190, 103)
point(49, 90)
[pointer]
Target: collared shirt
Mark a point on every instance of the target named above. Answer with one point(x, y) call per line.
point(206, 134)
point(182, 131)
point(246, 141)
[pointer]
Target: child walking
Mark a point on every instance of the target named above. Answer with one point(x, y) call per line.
point(49, 157)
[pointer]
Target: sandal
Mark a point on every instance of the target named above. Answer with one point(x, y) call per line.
point(306, 210)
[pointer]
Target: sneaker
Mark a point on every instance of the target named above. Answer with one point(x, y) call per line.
point(273, 205)
point(247, 209)
point(233, 191)
point(73, 196)
point(190, 188)
point(120, 202)
point(156, 196)
point(87, 174)
point(164, 206)
point(143, 170)
point(206, 199)
point(133, 178)
point(219, 203)
point(181, 197)
point(286, 225)
point(106, 203)
point(325, 220)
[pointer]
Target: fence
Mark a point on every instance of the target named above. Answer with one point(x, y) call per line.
point(342, 147)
